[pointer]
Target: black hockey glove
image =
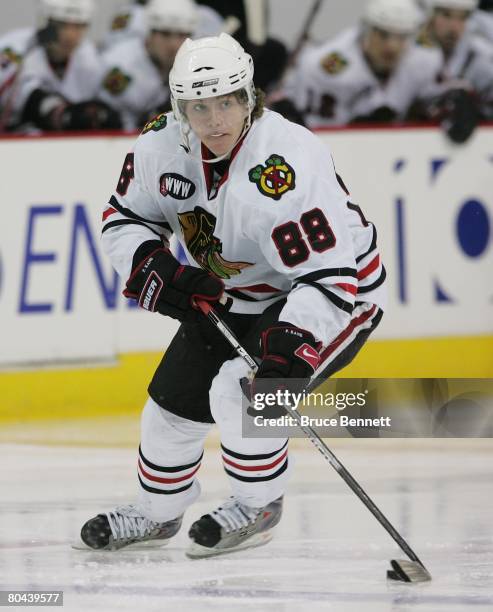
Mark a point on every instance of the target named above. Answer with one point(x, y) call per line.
point(289, 358)
point(51, 112)
point(456, 110)
point(90, 115)
point(382, 114)
point(161, 284)
point(461, 115)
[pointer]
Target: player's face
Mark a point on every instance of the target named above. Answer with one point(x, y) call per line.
point(164, 45)
point(384, 49)
point(69, 37)
point(448, 26)
point(217, 122)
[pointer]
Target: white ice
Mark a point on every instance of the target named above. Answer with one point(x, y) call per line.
point(328, 553)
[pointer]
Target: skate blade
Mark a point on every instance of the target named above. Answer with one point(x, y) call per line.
point(408, 571)
point(196, 551)
point(151, 544)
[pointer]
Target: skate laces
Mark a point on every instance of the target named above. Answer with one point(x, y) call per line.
point(233, 515)
point(126, 523)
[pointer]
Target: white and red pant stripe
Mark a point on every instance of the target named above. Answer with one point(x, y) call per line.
point(169, 458)
point(255, 468)
point(166, 480)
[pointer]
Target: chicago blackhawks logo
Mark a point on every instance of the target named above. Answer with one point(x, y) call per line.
point(334, 63)
point(425, 39)
point(9, 56)
point(156, 124)
point(120, 22)
point(275, 178)
point(116, 81)
point(197, 227)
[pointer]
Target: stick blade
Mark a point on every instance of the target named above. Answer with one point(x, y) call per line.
point(408, 571)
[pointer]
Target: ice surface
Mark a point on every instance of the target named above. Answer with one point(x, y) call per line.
point(329, 553)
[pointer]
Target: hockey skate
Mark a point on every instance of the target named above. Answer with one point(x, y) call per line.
point(125, 526)
point(233, 526)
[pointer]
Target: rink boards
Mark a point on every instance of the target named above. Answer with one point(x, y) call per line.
point(69, 340)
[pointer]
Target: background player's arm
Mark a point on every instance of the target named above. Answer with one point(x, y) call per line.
point(292, 99)
point(116, 83)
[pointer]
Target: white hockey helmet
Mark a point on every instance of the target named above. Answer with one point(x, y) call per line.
point(210, 67)
point(172, 15)
point(460, 5)
point(397, 16)
point(68, 11)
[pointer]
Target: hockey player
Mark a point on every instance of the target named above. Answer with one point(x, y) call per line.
point(131, 22)
point(58, 73)
point(371, 72)
point(13, 47)
point(135, 81)
point(246, 20)
point(264, 221)
point(466, 74)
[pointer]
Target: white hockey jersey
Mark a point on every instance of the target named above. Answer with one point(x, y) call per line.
point(471, 63)
point(13, 47)
point(79, 82)
point(481, 23)
point(334, 85)
point(132, 84)
point(130, 22)
point(277, 224)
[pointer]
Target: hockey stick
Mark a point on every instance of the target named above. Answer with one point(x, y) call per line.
point(278, 92)
point(256, 21)
point(402, 570)
point(305, 31)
